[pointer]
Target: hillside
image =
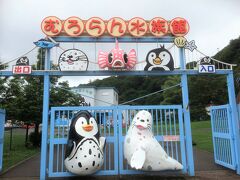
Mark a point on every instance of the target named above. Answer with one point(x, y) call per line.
point(133, 87)
point(203, 90)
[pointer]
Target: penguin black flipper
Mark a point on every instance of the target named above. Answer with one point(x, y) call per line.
point(146, 67)
point(69, 148)
point(158, 69)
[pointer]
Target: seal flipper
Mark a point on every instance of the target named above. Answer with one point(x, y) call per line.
point(138, 159)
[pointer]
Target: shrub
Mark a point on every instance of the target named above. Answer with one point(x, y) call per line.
point(35, 139)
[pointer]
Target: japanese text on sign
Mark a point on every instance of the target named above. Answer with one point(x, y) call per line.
point(206, 68)
point(22, 69)
point(116, 27)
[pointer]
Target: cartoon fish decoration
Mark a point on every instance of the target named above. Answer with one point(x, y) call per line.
point(117, 59)
point(43, 43)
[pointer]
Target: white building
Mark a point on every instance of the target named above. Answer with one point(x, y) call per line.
point(98, 96)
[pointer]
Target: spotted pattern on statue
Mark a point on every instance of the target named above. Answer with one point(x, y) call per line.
point(84, 149)
point(87, 153)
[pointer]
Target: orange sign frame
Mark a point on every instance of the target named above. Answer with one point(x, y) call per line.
point(115, 27)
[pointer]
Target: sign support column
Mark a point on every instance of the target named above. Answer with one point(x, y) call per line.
point(45, 116)
point(2, 122)
point(234, 118)
point(186, 112)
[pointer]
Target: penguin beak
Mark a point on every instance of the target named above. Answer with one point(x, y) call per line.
point(87, 127)
point(157, 61)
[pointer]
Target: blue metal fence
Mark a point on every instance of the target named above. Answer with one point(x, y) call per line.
point(2, 122)
point(223, 136)
point(113, 124)
point(167, 123)
point(59, 135)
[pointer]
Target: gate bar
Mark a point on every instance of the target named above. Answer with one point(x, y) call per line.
point(187, 123)
point(2, 121)
point(45, 117)
point(114, 73)
point(106, 39)
point(235, 120)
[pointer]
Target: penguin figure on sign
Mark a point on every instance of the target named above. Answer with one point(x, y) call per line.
point(22, 61)
point(84, 151)
point(142, 150)
point(159, 59)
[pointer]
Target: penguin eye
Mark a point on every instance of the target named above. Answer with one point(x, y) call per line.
point(163, 55)
point(110, 57)
point(152, 56)
point(147, 120)
point(82, 122)
point(137, 118)
point(91, 122)
point(125, 57)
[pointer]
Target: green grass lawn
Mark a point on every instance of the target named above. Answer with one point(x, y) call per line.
point(202, 135)
point(18, 152)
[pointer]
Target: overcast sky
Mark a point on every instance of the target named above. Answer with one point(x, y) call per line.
point(213, 23)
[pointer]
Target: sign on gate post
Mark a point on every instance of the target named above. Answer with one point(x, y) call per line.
point(206, 68)
point(2, 121)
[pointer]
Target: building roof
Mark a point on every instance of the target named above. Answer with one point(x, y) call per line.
point(95, 87)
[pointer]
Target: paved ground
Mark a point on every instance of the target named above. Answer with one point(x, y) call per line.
point(205, 169)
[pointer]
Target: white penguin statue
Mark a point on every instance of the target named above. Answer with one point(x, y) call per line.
point(84, 151)
point(142, 150)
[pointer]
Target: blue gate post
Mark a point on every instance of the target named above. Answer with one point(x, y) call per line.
point(45, 117)
point(2, 122)
point(234, 118)
point(187, 122)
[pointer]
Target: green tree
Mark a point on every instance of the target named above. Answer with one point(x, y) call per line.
point(22, 97)
point(12, 98)
point(133, 87)
point(174, 95)
point(203, 91)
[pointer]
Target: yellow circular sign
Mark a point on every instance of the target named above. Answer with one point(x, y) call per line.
point(180, 41)
point(137, 27)
point(51, 26)
point(158, 26)
point(95, 26)
point(73, 26)
point(179, 26)
point(116, 27)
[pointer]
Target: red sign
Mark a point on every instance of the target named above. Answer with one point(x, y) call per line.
point(137, 27)
point(158, 26)
point(73, 26)
point(116, 27)
point(51, 26)
point(179, 27)
point(95, 26)
point(171, 138)
point(22, 69)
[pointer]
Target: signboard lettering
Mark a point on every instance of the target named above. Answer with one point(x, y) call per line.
point(206, 68)
point(22, 69)
point(116, 27)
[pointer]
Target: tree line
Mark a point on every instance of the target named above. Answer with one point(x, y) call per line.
point(22, 96)
point(204, 90)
